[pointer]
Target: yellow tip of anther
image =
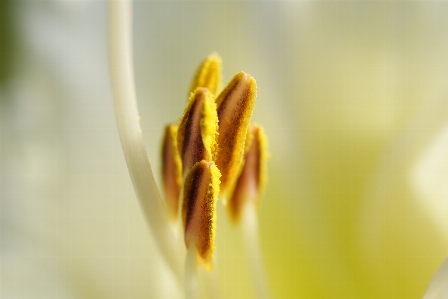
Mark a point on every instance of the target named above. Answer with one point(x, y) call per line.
point(208, 74)
point(198, 129)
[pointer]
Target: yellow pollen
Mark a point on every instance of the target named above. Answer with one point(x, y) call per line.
point(208, 74)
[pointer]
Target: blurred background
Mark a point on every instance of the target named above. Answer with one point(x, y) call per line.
point(353, 98)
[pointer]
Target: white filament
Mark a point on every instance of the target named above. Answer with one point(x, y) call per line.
point(191, 278)
point(253, 252)
point(126, 112)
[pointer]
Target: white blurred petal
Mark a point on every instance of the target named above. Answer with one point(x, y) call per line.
point(438, 288)
point(430, 178)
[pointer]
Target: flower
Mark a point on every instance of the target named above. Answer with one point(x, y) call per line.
point(352, 97)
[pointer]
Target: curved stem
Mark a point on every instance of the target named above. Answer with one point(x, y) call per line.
point(126, 112)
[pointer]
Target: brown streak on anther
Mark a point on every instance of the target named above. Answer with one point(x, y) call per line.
point(198, 210)
point(235, 105)
point(247, 187)
point(189, 138)
point(171, 170)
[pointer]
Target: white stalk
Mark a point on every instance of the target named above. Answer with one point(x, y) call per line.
point(126, 112)
point(191, 277)
point(249, 227)
point(211, 282)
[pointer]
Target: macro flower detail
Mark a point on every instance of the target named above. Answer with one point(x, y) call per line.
point(208, 74)
point(212, 138)
point(353, 97)
point(171, 170)
point(199, 209)
point(252, 178)
point(192, 152)
point(235, 105)
point(196, 136)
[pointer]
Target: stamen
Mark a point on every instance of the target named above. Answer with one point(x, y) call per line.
point(235, 105)
point(193, 161)
point(126, 112)
point(208, 74)
point(201, 190)
point(198, 129)
point(171, 170)
point(191, 278)
point(251, 244)
point(250, 183)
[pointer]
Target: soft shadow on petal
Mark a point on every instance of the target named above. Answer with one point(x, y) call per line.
point(401, 241)
point(430, 181)
point(438, 288)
